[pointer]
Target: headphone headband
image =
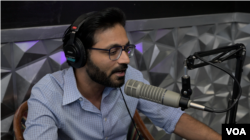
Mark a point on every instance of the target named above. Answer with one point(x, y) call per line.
point(74, 50)
point(79, 21)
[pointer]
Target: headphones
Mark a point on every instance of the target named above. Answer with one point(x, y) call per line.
point(74, 50)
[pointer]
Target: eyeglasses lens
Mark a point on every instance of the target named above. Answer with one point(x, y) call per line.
point(115, 52)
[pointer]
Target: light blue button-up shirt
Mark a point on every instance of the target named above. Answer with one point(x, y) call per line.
point(57, 110)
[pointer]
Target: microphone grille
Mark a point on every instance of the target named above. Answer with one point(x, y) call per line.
point(136, 83)
point(134, 92)
point(131, 88)
point(130, 82)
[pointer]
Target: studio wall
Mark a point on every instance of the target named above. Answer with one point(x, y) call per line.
point(20, 14)
point(161, 46)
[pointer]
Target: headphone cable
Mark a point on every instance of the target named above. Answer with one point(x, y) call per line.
point(131, 116)
point(236, 81)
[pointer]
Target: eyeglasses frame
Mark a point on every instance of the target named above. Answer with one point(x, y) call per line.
point(120, 51)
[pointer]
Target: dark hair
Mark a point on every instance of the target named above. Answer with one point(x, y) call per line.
point(100, 20)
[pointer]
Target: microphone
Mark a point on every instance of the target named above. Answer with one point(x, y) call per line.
point(159, 95)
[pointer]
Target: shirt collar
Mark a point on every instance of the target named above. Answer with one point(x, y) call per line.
point(71, 92)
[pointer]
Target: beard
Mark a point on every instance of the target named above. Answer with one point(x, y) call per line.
point(101, 77)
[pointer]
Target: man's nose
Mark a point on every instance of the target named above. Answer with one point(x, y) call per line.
point(124, 59)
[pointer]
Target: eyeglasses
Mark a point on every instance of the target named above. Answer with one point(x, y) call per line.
point(116, 51)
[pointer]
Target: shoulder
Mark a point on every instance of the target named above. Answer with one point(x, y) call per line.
point(50, 86)
point(56, 77)
point(135, 74)
point(53, 80)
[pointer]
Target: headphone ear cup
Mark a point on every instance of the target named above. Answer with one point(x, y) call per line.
point(82, 53)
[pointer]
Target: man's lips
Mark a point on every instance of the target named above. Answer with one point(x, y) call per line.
point(120, 73)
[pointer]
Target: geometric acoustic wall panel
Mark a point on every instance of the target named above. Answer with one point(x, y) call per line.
point(23, 64)
point(7, 89)
point(26, 52)
point(56, 56)
point(160, 53)
point(7, 96)
point(6, 124)
point(153, 56)
point(243, 36)
point(36, 59)
point(6, 61)
point(28, 76)
point(58, 61)
point(7, 128)
point(52, 45)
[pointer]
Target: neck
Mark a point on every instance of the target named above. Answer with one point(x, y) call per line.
point(88, 88)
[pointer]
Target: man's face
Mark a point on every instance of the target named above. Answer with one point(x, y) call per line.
point(99, 67)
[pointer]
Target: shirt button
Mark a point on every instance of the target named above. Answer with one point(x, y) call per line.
point(106, 138)
point(80, 99)
point(105, 119)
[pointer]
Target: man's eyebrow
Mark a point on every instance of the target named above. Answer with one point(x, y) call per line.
point(113, 45)
point(127, 43)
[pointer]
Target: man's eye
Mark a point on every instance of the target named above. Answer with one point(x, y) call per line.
point(127, 49)
point(113, 52)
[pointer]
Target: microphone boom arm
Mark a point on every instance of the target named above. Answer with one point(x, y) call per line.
point(237, 51)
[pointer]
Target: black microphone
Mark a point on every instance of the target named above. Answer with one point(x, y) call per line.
point(159, 95)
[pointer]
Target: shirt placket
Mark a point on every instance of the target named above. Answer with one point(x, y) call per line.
point(106, 127)
point(105, 109)
point(106, 120)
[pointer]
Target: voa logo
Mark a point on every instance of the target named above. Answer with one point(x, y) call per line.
point(236, 131)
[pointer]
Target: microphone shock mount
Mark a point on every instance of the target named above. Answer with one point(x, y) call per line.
point(186, 90)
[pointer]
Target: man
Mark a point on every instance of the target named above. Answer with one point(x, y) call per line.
point(85, 102)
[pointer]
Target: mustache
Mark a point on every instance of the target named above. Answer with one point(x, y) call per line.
point(120, 68)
